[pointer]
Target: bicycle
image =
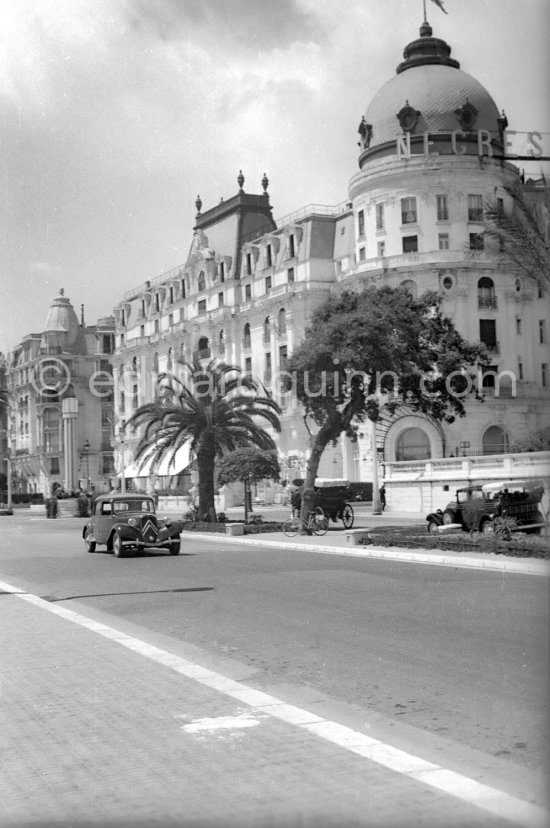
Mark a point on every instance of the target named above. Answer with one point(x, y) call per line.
point(316, 523)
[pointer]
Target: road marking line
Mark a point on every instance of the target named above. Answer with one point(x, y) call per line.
point(474, 793)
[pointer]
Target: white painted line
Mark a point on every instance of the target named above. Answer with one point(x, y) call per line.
point(461, 787)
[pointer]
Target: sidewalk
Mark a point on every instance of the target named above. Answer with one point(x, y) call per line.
point(335, 543)
point(102, 726)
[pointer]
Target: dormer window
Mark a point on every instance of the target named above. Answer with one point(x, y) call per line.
point(157, 302)
point(201, 282)
point(221, 271)
point(269, 256)
point(408, 118)
point(467, 116)
point(249, 264)
point(291, 246)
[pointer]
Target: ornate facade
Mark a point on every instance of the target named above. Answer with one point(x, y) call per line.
point(61, 404)
point(431, 156)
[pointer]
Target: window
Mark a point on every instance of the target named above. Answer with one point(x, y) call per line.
point(143, 307)
point(268, 284)
point(410, 244)
point(542, 331)
point(283, 357)
point(267, 328)
point(50, 425)
point(183, 292)
point(246, 336)
point(269, 256)
point(410, 286)
point(380, 217)
point(290, 275)
point(282, 321)
point(500, 205)
point(248, 365)
point(291, 246)
point(540, 292)
point(408, 210)
point(157, 302)
point(122, 402)
point(267, 373)
point(157, 326)
point(475, 208)
point(171, 295)
point(123, 317)
point(442, 208)
point(135, 397)
point(495, 441)
point(520, 368)
point(412, 444)
point(361, 223)
point(381, 248)
point(443, 241)
point(202, 282)
point(486, 293)
point(220, 300)
point(488, 333)
point(54, 465)
point(142, 330)
point(248, 292)
point(362, 254)
point(170, 359)
point(221, 271)
point(202, 307)
point(544, 374)
point(203, 348)
point(477, 241)
point(170, 319)
point(249, 264)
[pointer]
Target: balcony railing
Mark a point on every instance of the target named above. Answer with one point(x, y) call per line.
point(487, 301)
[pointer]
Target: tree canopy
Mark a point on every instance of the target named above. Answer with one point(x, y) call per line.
point(378, 348)
point(248, 464)
point(522, 233)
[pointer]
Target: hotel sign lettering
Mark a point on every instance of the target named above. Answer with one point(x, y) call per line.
point(519, 145)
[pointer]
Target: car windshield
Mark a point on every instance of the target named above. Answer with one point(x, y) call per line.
point(145, 505)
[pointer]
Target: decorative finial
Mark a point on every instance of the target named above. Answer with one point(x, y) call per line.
point(265, 183)
point(240, 179)
point(198, 205)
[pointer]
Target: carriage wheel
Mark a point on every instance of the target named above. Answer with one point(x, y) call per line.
point(347, 516)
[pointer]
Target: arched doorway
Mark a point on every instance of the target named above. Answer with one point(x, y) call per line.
point(495, 441)
point(412, 444)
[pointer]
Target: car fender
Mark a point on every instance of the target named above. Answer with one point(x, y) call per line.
point(125, 530)
point(436, 517)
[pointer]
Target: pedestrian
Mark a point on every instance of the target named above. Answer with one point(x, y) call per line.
point(296, 488)
point(383, 497)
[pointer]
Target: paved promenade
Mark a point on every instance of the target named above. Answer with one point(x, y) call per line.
point(102, 724)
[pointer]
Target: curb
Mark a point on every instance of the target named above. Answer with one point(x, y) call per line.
point(532, 567)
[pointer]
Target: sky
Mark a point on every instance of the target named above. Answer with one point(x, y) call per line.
point(116, 114)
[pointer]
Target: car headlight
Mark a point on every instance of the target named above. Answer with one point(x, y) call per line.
point(132, 521)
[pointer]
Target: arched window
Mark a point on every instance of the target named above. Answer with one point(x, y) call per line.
point(282, 321)
point(411, 286)
point(413, 444)
point(486, 293)
point(495, 441)
point(203, 348)
point(202, 282)
point(221, 343)
point(246, 336)
point(267, 329)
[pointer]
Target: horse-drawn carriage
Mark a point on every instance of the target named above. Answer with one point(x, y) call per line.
point(332, 496)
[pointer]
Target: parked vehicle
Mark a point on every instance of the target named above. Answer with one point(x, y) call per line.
point(332, 497)
point(125, 522)
point(506, 506)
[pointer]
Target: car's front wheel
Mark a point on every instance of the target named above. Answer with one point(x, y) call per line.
point(448, 518)
point(433, 526)
point(175, 547)
point(89, 544)
point(118, 548)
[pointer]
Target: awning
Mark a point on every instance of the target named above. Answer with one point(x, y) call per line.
point(165, 468)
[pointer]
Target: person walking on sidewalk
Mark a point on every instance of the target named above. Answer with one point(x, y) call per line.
point(382, 498)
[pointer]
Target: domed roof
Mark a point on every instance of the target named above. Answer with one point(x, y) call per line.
point(431, 84)
point(62, 331)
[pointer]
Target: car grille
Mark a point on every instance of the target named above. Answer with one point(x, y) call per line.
point(149, 529)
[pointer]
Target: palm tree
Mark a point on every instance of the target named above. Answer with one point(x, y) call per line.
point(214, 410)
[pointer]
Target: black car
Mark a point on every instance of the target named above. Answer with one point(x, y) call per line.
point(128, 522)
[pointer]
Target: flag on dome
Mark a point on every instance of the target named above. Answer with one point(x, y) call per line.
point(440, 4)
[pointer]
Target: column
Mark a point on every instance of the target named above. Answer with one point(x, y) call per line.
point(69, 412)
